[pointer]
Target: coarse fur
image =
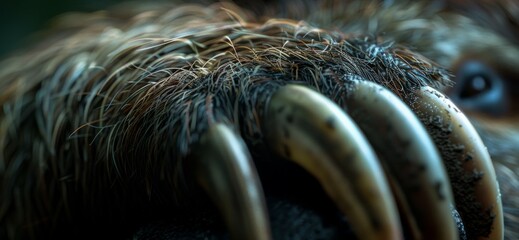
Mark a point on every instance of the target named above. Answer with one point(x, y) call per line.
point(101, 117)
point(450, 33)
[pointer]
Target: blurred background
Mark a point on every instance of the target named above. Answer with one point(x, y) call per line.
point(19, 19)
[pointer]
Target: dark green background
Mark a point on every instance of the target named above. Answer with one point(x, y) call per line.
point(21, 18)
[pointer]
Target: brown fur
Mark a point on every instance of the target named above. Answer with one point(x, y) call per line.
point(78, 109)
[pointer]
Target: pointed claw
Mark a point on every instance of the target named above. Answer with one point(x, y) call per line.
point(410, 157)
point(309, 129)
point(468, 163)
point(225, 170)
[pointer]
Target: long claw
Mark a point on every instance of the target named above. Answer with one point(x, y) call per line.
point(309, 129)
point(410, 156)
point(225, 170)
point(472, 175)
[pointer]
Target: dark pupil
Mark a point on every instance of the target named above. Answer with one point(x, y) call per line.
point(475, 85)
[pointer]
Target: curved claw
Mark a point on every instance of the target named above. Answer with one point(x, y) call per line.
point(468, 163)
point(312, 131)
point(225, 170)
point(420, 182)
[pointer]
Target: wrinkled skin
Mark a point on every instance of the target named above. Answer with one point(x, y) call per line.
point(441, 35)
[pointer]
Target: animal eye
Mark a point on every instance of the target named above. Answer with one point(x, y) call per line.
point(480, 89)
point(475, 85)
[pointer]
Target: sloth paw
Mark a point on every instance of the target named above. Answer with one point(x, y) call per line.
point(380, 163)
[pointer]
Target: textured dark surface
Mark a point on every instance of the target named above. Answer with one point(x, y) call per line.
point(298, 209)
